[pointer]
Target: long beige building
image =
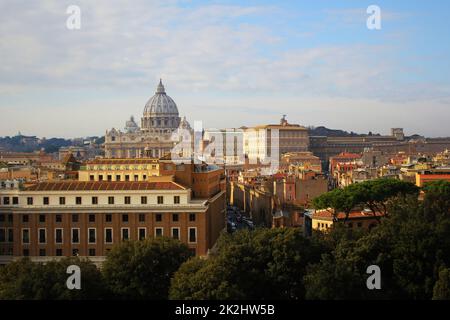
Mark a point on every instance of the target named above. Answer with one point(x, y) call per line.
point(112, 169)
point(261, 141)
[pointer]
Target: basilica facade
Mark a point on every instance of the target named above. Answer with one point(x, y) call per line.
point(153, 138)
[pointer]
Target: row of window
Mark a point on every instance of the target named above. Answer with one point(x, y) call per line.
point(126, 167)
point(175, 217)
point(94, 200)
point(350, 225)
point(7, 234)
point(109, 177)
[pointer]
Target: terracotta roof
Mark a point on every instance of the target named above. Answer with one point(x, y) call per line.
point(103, 186)
point(279, 175)
point(123, 161)
point(358, 214)
point(347, 155)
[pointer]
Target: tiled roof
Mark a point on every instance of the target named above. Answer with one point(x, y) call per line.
point(347, 155)
point(328, 214)
point(123, 161)
point(103, 186)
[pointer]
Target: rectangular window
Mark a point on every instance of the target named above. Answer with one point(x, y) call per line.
point(92, 218)
point(75, 252)
point(176, 199)
point(75, 235)
point(158, 217)
point(142, 217)
point(144, 200)
point(192, 217)
point(45, 200)
point(100, 177)
point(125, 233)
point(127, 177)
point(127, 200)
point(108, 235)
point(26, 252)
point(175, 217)
point(59, 252)
point(42, 218)
point(176, 233)
point(108, 218)
point(42, 235)
point(91, 177)
point(160, 200)
point(15, 200)
point(58, 236)
point(92, 252)
point(78, 200)
point(62, 200)
point(110, 200)
point(25, 236)
point(124, 218)
point(94, 200)
point(2, 234)
point(142, 233)
point(109, 177)
point(30, 201)
point(42, 252)
point(58, 218)
point(136, 177)
point(10, 235)
point(2, 218)
point(25, 218)
point(117, 177)
point(6, 200)
point(192, 235)
point(75, 218)
point(159, 232)
point(92, 235)
point(10, 218)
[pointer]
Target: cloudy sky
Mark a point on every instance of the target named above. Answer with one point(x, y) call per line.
point(227, 63)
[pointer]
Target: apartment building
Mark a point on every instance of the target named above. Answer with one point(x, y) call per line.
point(86, 218)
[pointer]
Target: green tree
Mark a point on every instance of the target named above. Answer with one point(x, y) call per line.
point(24, 279)
point(409, 246)
point(373, 194)
point(142, 269)
point(259, 264)
point(340, 200)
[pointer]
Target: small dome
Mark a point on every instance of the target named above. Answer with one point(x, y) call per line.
point(160, 104)
point(184, 124)
point(131, 126)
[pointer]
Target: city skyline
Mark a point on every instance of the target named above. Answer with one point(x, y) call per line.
point(225, 63)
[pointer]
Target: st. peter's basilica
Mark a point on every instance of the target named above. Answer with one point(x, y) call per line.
point(153, 137)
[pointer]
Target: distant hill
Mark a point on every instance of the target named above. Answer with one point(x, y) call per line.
point(21, 143)
point(323, 131)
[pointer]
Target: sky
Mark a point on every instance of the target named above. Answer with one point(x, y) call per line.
point(225, 63)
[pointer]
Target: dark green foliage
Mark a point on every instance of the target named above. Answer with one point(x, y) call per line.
point(24, 279)
point(142, 269)
point(374, 194)
point(260, 264)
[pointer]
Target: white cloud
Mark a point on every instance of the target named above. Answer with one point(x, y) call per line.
point(210, 48)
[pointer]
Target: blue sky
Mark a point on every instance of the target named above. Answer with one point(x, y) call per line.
point(227, 63)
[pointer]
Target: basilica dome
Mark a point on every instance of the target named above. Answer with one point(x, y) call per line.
point(160, 111)
point(160, 103)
